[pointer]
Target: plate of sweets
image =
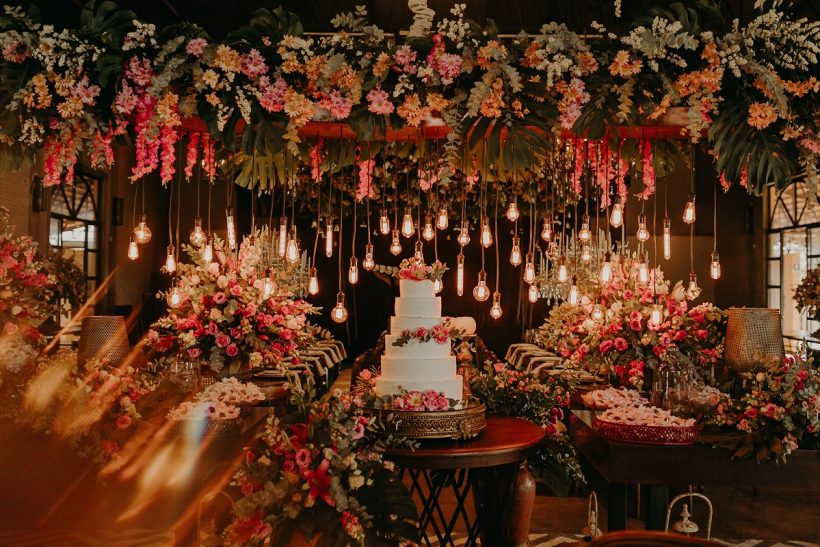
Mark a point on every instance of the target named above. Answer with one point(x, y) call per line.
point(645, 425)
point(611, 397)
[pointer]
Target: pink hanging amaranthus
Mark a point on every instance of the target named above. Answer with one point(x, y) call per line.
point(578, 168)
point(315, 155)
point(208, 156)
point(190, 159)
point(647, 169)
point(604, 174)
point(365, 187)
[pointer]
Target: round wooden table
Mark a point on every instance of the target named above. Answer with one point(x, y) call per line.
point(488, 465)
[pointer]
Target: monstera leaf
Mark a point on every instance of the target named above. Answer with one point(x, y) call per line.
point(271, 24)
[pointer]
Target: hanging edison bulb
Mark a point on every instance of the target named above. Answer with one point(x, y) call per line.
point(656, 315)
point(616, 218)
point(292, 250)
point(586, 253)
point(584, 234)
point(208, 251)
point(460, 274)
point(481, 292)
point(133, 249)
point(368, 263)
point(174, 297)
point(384, 223)
point(573, 292)
point(353, 271)
point(428, 232)
point(532, 293)
point(643, 232)
point(598, 313)
point(170, 260)
point(495, 310)
point(563, 271)
point(339, 313)
point(667, 238)
point(407, 226)
point(692, 289)
point(643, 272)
point(437, 285)
point(605, 275)
point(197, 236)
point(231, 228)
point(282, 242)
point(464, 234)
point(689, 210)
point(313, 283)
point(529, 269)
point(418, 251)
point(515, 253)
point(512, 211)
point(395, 245)
point(546, 230)
point(329, 238)
point(486, 233)
point(142, 233)
point(714, 266)
point(442, 219)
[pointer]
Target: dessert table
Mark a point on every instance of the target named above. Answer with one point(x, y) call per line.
point(659, 467)
point(486, 465)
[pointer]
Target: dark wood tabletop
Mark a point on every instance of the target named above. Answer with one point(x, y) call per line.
point(505, 440)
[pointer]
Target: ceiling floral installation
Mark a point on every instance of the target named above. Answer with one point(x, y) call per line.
point(750, 91)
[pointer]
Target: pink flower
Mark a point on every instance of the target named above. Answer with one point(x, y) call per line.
point(621, 344)
point(236, 290)
point(358, 431)
point(194, 353)
point(628, 294)
point(635, 316)
point(10, 328)
point(222, 340)
point(421, 332)
point(253, 64)
point(302, 457)
point(124, 421)
point(232, 350)
point(405, 57)
point(365, 374)
point(220, 298)
point(605, 346)
point(635, 325)
point(338, 105)
point(196, 46)
point(701, 334)
point(378, 102)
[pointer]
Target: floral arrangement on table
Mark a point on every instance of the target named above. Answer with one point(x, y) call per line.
point(416, 270)
point(807, 295)
point(69, 280)
point(779, 414)
point(611, 331)
point(415, 401)
point(321, 474)
point(511, 392)
point(222, 400)
point(442, 333)
point(231, 311)
point(752, 88)
point(25, 298)
point(201, 410)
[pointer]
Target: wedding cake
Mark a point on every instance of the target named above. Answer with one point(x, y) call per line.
point(417, 353)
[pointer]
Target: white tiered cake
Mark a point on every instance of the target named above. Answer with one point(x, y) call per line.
point(417, 365)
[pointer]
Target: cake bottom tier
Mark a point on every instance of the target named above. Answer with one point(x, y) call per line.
point(451, 387)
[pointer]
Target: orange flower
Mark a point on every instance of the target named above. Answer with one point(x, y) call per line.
point(437, 102)
point(382, 65)
point(412, 111)
point(799, 89)
point(761, 115)
point(587, 62)
point(493, 51)
point(622, 66)
point(491, 106)
point(228, 59)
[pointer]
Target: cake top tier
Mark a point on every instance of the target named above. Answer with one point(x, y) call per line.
point(410, 288)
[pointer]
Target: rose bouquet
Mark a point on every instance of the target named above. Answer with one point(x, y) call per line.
point(780, 414)
point(612, 331)
point(442, 333)
point(321, 474)
point(807, 295)
point(416, 401)
point(232, 311)
point(417, 270)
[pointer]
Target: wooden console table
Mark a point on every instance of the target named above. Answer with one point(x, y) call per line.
point(488, 465)
point(660, 467)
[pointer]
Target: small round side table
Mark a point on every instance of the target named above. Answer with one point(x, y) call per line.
point(488, 465)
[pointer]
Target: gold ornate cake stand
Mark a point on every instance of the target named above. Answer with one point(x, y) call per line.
point(463, 423)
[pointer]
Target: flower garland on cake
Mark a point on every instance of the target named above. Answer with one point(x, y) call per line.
point(442, 333)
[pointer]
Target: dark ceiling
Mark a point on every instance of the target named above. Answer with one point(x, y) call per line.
point(220, 16)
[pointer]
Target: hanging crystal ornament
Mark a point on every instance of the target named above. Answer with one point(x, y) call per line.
point(605, 275)
point(529, 269)
point(368, 263)
point(282, 242)
point(667, 239)
point(563, 271)
point(464, 234)
point(586, 253)
point(515, 253)
point(481, 292)
point(133, 249)
point(418, 251)
point(584, 234)
point(208, 251)
point(616, 218)
point(643, 232)
point(384, 223)
point(512, 211)
point(353, 271)
point(170, 260)
point(573, 292)
point(689, 215)
point(546, 230)
point(408, 228)
point(486, 233)
point(329, 238)
point(495, 310)
point(460, 274)
point(230, 224)
point(714, 266)
point(313, 283)
point(339, 312)
point(142, 233)
point(395, 245)
point(693, 290)
point(428, 232)
point(442, 219)
point(174, 297)
point(198, 236)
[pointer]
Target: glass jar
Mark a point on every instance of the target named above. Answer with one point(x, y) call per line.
point(185, 372)
point(670, 388)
